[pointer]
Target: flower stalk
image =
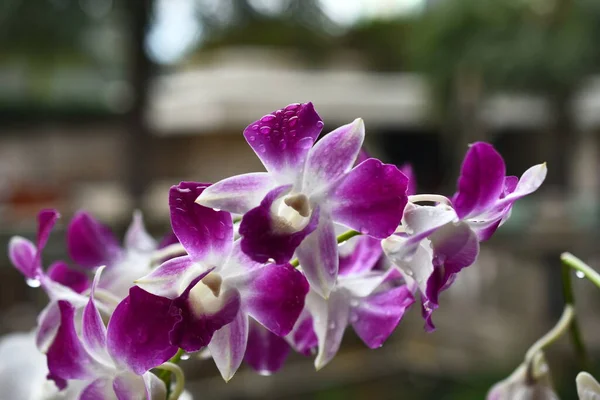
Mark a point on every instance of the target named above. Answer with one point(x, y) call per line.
point(344, 237)
point(172, 368)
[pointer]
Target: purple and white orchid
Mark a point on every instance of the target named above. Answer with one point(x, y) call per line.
point(307, 188)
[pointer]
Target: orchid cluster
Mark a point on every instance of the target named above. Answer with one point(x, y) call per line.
point(261, 263)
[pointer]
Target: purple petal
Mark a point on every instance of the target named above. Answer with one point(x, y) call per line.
point(376, 316)
point(481, 180)
point(318, 256)
point(168, 240)
point(46, 221)
point(266, 352)
point(60, 272)
point(22, 254)
point(67, 358)
point(47, 325)
point(93, 329)
point(138, 331)
point(363, 155)
point(99, 389)
point(202, 313)
point(171, 277)
point(228, 345)
point(408, 171)
point(274, 296)
point(205, 234)
point(238, 194)
point(364, 256)
point(136, 237)
point(333, 156)
point(330, 320)
point(91, 244)
point(128, 386)
point(530, 181)
point(303, 337)
point(283, 138)
point(370, 199)
point(266, 235)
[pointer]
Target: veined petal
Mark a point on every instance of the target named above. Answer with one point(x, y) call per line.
point(138, 331)
point(237, 194)
point(228, 345)
point(136, 237)
point(409, 172)
point(99, 389)
point(587, 387)
point(93, 329)
point(129, 386)
point(333, 156)
point(172, 277)
point(22, 254)
point(481, 180)
point(530, 181)
point(376, 316)
point(238, 262)
point(303, 337)
point(318, 256)
point(266, 352)
point(155, 388)
point(418, 267)
point(47, 325)
point(283, 138)
point(273, 295)
point(370, 198)
point(60, 272)
point(91, 244)
point(266, 235)
point(363, 257)
point(46, 221)
point(206, 234)
point(365, 284)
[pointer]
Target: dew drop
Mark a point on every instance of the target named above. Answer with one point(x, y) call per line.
point(320, 124)
point(220, 231)
point(255, 127)
point(262, 148)
point(185, 356)
point(32, 282)
point(409, 272)
point(216, 209)
point(579, 274)
point(265, 130)
point(289, 114)
point(305, 143)
point(293, 122)
point(293, 133)
point(354, 303)
point(267, 118)
point(292, 107)
point(354, 318)
point(271, 260)
point(252, 138)
point(332, 325)
point(282, 144)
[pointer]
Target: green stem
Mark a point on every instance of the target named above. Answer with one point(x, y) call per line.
point(574, 330)
point(554, 334)
point(340, 239)
point(165, 374)
point(571, 261)
point(171, 368)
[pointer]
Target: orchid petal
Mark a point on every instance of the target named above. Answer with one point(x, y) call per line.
point(266, 235)
point(266, 352)
point(136, 237)
point(370, 198)
point(303, 337)
point(330, 319)
point(129, 386)
point(22, 254)
point(481, 180)
point(274, 296)
point(99, 389)
point(138, 331)
point(205, 234)
point(237, 194)
point(155, 388)
point(364, 256)
point(282, 139)
point(167, 240)
point(46, 221)
point(91, 244)
point(172, 277)
point(47, 325)
point(409, 172)
point(60, 272)
point(93, 329)
point(587, 387)
point(418, 267)
point(333, 156)
point(376, 316)
point(318, 256)
point(238, 262)
point(228, 345)
point(530, 181)
point(365, 284)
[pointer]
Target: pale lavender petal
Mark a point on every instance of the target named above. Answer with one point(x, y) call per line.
point(47, 325)
point(273, 295)
point(367, 251)
point(481, 180)
point(283, 138)
point(93, 329)
point(318, 256)
point(155, 388)
point(202, 314)
point(91, 244)
point(138, 331)
point(418, 267)
point(333, 156)
point(370, 199)
point(172, 277)
point(266, 352)
point(266, 235)
point(303, 337)
point(228, 345)
point(136, 237)
point(129, 386)
point(238, 262)
point(205, 234)
point(409, 172)
point(99, 389)
point(330, 319)
point(530, 181)
point(46, 221)
point(238, 194)
point(67, 358)
point(60, 272)
point(376, 316)
point(22, 254)
point(365, 284)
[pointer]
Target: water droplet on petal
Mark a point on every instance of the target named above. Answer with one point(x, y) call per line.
point(320, 124)
point(332, 325)
point(293, 133)
point(32, 282)
point(292, 107)
point(305, 143)
point(265, 130)
point(271, 260)
point(354, 318)
point(252, 138)
point(255, 127)
point(185, 356)
point(267, 118)
point(354, 303)
point(293, 121)
point(282, 144)
point(262, 148)
point(216, 209)
point(579, 274)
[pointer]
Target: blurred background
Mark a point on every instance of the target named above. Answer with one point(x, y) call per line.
point(104, 104)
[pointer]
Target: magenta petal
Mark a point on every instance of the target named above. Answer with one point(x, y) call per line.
point(370, 199)
point(303, 337)
point(47, 325)
point(333, 156)
point(274, 296)
point(60, 272)
point(228, 345)
point(363, 257)
point(197, 326)
point(376, 316)
point(168, 279)
point(99, 389)
point(481, 180)
point(91, 244)
point(46, 221)
point(67, 358)
point(22, 254)
point(266, 352)
point(205, 234)
point(408, 170)
point(318, 256)
point(283, 138)
point(93, 329)
point(265, 236)
point(138, 331)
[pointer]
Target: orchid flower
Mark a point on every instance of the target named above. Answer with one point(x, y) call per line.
point(358, 299)
point(266, 352)
point(216, 288)
point(100, 357)
point(588, 388)
point(307, 188)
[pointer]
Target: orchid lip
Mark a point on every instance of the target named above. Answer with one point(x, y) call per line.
point(205, 297)
point(291, 213)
